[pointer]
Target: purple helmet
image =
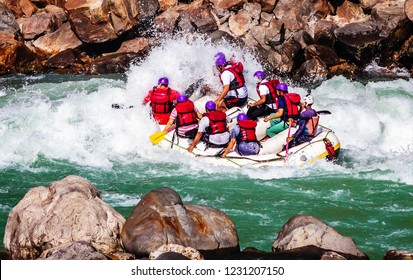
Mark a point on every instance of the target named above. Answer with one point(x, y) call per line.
point(163, 81)
point(210, 105)
point(220, 61)
point(283, 87)
point(260, 74)
point(182, 98)
point(219, 54)
point(242, 117)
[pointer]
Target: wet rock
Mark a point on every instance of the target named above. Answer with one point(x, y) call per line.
point(285, 58)
point(408, 8)
point(187, 252)
point(69, 210)
point(240, 23)
point(37, 25)
point(303, 230)
point(58, 41)
point(79, 250)
point(67, 59)
point(113, 63)
point(8, 24)
point(398, 255)
point(332, 256)
point(15, 57)
point(161, 218)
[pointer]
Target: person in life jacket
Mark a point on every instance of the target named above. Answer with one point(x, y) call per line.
point(243, 135)
point(307, 124)
point(234, 91)
point(266, 90)
point(288, 111)
point(161, 99)
point(185, 116)
point(213, 128)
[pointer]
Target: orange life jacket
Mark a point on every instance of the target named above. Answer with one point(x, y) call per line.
point(160, 101)
point(217, 121)
point(186, 113)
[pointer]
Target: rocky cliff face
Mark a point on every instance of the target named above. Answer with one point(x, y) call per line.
point(300, 39)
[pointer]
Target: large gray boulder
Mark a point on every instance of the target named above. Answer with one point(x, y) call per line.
point(67, 211)
point(304, 230)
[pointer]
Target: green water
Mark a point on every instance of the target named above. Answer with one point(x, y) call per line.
point(377, 214)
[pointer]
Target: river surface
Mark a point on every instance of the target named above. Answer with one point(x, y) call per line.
point(52, 126)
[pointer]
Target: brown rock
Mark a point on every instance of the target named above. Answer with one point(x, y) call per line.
point(91, 24)
point(266, 5)
point(8, 24)
point(112, 63)
point(304, 230)
point(225, 4)
point(60, 40)
point(161, 218)
point(69, 210)
point(408, 9)
point(312, 70)
point(240, 23)
point(332, 256)
point(166, 22)
point(285, 57)
point(321, 53)
point(398, 255)
point(324, 33)
point(15, 57)
point(201, 16)
point(65, 59)
point(188, 252)
point(79, 250)
point(36, 25)
point(137, 45)
point(21, 7)
point(298, 14)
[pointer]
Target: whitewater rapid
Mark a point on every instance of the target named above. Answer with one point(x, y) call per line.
point(72, 119)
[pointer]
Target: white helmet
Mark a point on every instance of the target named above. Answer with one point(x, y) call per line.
point(308, 100)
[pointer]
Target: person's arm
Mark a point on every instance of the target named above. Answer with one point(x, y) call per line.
point(221, 96)
point(196, 140)
point(262, 100)
point(229, 147)
point(168, 125)
point(279, 114)
point(147, 98)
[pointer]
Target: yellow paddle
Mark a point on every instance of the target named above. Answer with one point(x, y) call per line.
point(157, 137)
point(160, 135)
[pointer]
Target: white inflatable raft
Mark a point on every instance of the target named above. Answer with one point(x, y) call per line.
point(271, 153)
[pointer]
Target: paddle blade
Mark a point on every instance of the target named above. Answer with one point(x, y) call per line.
point(157, 137)
point(324, 112)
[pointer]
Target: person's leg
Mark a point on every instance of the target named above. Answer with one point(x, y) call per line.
point(254, 112)
point(277, 125)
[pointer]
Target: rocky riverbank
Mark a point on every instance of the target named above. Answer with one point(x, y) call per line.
point(69, 220)
point(307, 41)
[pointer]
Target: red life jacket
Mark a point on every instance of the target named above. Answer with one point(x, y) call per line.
point(236, 69)
point(217, 121)
point(272, 85)
point(186, 113)
point(311, 126)
point(292, 102)
point(160, 101)
point(247, 130)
